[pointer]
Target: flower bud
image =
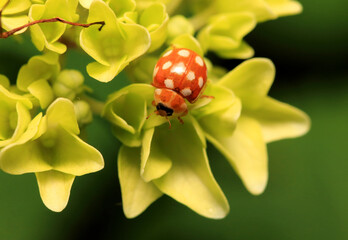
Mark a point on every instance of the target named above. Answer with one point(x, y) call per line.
point(68, 84)
point(83, 112)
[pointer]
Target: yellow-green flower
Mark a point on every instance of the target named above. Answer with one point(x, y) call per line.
point(14, 114)
point(263, 120)
point(155, 160)
point(240, 120)
point(115, 46)
point(223, 24)
point(35, 77)
point(263, 10)
point(51, 149)
point(46, 36)
point(14, 14)
point(225, 32)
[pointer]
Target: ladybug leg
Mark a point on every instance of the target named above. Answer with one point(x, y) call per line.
point(184, 114)
point(206, 96)
point(170, 125)
point(180, 120)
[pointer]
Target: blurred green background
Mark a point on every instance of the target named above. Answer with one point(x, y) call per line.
point(307, 194)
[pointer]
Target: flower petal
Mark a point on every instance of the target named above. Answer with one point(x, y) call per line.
point(280, 120)
point(11, 22)
point(226, 31)
point(285, 7)
point(223, 122)
point(245, 149)
point(23, 120)
point(223, 98)
point(120, 7)
point(4, 81)
point(250, 81)
point(155, 19)
point(73, 156)
point(259, 8)
point(23, 158)
point(127, 110)
point(127, 138)
point(38, 67)
point(105, 73)
point(54, 189)
point(61, 112)
point(179, 25)
point(243, 51)
point(42, 91)
point(141, 70)
point(154, 163)
point(48, 35)
point(188, 41)
point(137, 194)
point(85, 3)
point(7, 135)
point(15, 6)
point(113, 46)
point(190, 180)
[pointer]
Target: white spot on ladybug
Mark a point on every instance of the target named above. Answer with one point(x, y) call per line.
point(184, 53)
point(186, 92)
point(167, 53)
point(169, 83)
point(155, 71)
point(178, 68)
point(158, 91)
point(200, 82)
point(199, 61)
point(167, 65)
point(191, 76)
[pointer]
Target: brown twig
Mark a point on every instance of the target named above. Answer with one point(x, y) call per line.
point(56, 19)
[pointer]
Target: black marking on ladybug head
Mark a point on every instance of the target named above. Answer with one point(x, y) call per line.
point(163, 110)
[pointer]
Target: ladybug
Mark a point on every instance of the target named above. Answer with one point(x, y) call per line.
point(178, 75)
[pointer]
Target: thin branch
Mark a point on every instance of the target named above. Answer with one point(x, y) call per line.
point(56, 19)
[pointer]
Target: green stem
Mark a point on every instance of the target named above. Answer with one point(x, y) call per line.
point(97, 106)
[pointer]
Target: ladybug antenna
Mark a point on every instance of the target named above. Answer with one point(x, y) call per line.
point(156, 111)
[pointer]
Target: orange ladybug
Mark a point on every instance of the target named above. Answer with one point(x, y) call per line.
point(178, 75)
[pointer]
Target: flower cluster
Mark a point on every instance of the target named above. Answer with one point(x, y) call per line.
point(43, 113)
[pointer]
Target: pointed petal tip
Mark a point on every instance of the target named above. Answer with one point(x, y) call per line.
point(54, 188)
point(218, 213)
point(257, 187)
point(55, 207)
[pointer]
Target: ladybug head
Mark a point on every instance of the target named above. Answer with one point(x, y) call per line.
point(169, 103)
point(164, 111)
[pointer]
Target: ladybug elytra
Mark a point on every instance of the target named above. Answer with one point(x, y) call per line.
point(178, 75)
